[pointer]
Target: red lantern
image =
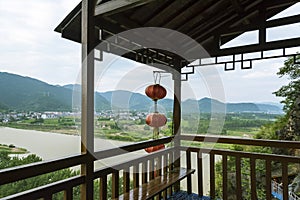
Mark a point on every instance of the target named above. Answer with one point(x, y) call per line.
point(156, 92)
point(156, 120)
point(155, 148)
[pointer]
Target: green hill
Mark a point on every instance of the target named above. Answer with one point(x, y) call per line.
point(27, 94)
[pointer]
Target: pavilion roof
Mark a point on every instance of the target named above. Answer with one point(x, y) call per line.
point(211, 22)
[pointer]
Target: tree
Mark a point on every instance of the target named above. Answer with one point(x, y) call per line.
point(7, 161)
point(290, 92)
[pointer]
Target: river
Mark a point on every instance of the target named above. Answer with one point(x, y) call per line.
point(50, 146)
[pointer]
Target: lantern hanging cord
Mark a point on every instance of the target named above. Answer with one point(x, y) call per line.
point(157, 77)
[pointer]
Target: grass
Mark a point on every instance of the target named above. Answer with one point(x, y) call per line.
point(11, 149)
point(128, 130)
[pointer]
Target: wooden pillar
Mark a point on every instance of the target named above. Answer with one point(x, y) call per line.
point(87, 96)
point(177, 118)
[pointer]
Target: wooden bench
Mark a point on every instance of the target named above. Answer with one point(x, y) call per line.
point(157, 185)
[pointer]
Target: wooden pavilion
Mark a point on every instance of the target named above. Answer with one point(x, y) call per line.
point(172, 34)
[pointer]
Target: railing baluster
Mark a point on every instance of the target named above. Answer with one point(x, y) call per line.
point(200, 173)
point(144, 172)
point(188, 165)
point(225, 179)
point(126, 180)
point(172, 160)
point(115, 184)
point(268, 180)
point(170, 164)
point(103, 188)
point(253, 178)
point(136, 180)
point(165, 170)
point(68, 194)
point(238, 177)
point(151, 169)
point(165, 163)
point(212, 175)
point(158, 166)
point(285, 180)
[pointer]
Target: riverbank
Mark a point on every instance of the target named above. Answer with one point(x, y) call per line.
point(12, 149)
point(49, 145)
point(104, 130)
point(69, 130)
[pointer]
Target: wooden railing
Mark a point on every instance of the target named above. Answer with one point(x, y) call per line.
point(46, 192)
point(238, 156)
point(139, 170)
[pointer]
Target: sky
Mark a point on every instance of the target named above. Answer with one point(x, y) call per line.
point(30, 47)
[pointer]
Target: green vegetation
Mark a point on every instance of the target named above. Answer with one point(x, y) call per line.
point(28, 94)
point(286, 127)
point(240, 124)
point(12, 149)
point(19, 186)
point(290, 92)
point(66, 125)
point(123, 130)
point(7, 161)
point(245, 171)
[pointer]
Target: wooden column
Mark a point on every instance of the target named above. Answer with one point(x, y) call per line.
point(177, 118)
point(87, 96)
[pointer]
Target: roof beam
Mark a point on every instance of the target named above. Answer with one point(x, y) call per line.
point(274, 45)
point(116, 6)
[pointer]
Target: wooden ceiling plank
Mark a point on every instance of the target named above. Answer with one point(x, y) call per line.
point(104, 24)
point(212, 22)
point(116, 6)
point(280, 3)
point(125, 21)
point(166, 13)
point(198, 19)
point(187, 15)
point(235, 18)
point(216, 26)
point(147, 11)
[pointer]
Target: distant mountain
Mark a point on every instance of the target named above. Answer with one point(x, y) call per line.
point(121, 99)
point(242, 107)
point(207, 105)
point(25, 93)
point(28, 94)
point(270, 108)
point(100, 102)
point(76, 87)
point(3, 107)
point(279, 105)
point(134, 101)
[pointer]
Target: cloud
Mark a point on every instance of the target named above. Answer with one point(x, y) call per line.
point(30, 47)
point(255, 84)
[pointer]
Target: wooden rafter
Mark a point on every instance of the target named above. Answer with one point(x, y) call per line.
point(204, 22)
point(116, 6)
